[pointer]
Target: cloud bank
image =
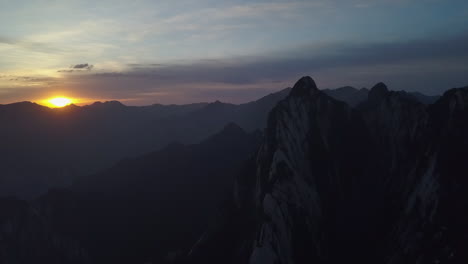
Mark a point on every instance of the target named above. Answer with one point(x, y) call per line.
point(427, 65)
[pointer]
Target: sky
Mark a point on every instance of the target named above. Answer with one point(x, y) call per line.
point(142, 52)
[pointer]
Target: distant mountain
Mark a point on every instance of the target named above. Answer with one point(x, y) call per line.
point(175, 160)
point(214, 116)
point(354, 97)
point(145, 208)
point(348, 94)
point(44, 148)
point(425, 99)
point(381, 183)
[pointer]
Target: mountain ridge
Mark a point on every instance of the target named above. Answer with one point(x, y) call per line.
point(57, 145)
point(325, 192)
point(325, 182)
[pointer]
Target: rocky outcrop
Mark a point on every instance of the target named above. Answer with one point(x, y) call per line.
point(378, 183)
point(26, 236)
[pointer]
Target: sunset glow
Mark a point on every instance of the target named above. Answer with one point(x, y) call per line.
point(179, 52)
point(59, 101)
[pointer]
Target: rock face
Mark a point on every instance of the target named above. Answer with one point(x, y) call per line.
point(307, 168)
point(27, 237)
point(380, 183)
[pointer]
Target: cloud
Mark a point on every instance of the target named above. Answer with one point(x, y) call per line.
point(437, 63)
point(425, 65)
point(78, 68)
point(82, 66)
point(34, 46)
point(221, 18)
point(6, 40)
point(32, 80)
point(422, 55)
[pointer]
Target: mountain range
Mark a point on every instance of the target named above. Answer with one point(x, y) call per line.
point(44, 148)
point(332, 178)
point(379, 183)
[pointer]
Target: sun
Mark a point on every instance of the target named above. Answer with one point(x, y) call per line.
point(59, 101)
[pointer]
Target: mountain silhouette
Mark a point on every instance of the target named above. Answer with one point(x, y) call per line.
point(332, 178)
point(354, 97)
point(143, 208)
point(379, 183)
point(44, 148)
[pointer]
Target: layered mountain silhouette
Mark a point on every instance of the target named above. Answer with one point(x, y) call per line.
point(345, 175)
point(354, 97)
point(44, 148)
point(380, 183)
point(152, 206)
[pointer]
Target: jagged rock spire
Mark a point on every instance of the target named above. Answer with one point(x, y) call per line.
point(305, 85)
point(378, 92)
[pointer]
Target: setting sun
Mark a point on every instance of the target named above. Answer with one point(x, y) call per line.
point(59, 101)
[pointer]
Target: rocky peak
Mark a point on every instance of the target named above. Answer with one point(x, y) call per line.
point(378, 92)
point(314, 147)
point(375, 184)
point(458, 98)
point(305, 85)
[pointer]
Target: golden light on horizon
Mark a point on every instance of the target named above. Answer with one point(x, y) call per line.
point(59, 102)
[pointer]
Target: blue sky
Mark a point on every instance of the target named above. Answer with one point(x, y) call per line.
point(143, 52)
